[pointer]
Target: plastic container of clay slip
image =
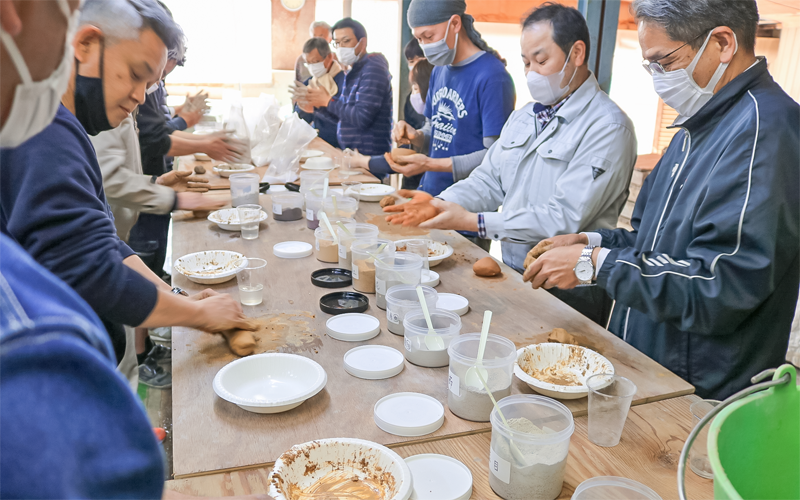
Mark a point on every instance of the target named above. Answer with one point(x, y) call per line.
point(427, 352)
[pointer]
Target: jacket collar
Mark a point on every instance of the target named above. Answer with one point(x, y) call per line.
point(727, 96)
point(577, 101)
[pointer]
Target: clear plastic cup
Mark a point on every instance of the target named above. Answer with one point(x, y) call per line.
point(610, 399)
point(426, 352)
point(362, 253)
point(313, 206)
point(244, 189)
point(698, 453)
point(528, 456)
point(358, 231)
point(251, 280)
point(404, 269)
point(344, 206)
point(313, 180)
point(419, 247)
point(403, 299)
point(472, 402)
point(325, 248)
point(249, 220)
point(287, 206)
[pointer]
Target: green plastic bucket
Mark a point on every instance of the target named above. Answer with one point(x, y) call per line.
point(754, 444)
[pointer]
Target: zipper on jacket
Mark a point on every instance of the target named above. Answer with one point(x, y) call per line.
point(625, 331)
point(687, 139)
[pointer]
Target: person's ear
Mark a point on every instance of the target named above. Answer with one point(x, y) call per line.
point(87, 43)
point(9, 19)
point(363, 44)
point(579, 53)
point(725, 39)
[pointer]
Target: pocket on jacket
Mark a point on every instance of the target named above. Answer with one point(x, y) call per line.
point(555, 150)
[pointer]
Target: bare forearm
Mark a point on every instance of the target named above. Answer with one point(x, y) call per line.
point(135, 263)
point(439, 165)
point(172, 310)
point(182, 146)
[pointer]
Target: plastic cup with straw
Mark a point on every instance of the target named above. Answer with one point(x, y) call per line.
point(324, 217)
point(432, 341)
point(471, 378)
point(518, 456)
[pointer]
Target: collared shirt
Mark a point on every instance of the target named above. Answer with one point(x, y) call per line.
point(546, 113)
point(570, 177)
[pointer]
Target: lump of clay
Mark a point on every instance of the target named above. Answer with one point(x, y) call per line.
point(387, 201)
point(561, 336)
point(400, 152)
point(201, 214)
point(241, 342)
point(199, 169)
point(486, 267)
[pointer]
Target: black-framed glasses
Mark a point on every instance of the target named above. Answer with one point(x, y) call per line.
point(336, 43)
point(653, 67)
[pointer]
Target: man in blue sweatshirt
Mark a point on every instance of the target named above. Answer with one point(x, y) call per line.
point(364, 108)
point(706, 283)
point(51, 187)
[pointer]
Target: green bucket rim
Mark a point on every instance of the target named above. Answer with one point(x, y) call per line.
point(720, 478)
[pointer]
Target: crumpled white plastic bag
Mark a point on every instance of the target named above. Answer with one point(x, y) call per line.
point(284, 158)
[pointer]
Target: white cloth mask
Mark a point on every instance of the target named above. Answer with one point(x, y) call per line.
point(36, 103)
point(347, 55)
point(152, 88)
point(417, 103)
point(679, 90)
point(317, 70)
point(546, 89)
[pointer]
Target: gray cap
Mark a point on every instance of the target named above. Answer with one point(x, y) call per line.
point(430, 12)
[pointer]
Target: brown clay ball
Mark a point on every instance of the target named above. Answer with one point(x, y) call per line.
point(199, 169)
point(387, 201)
point(241, 342)
point(486, 267)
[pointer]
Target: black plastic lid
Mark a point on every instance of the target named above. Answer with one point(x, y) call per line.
point(344, 302)
point(332, 278)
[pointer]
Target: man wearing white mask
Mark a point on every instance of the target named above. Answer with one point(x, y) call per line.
point(562, 163)
point(707, 282)
point(325, 72)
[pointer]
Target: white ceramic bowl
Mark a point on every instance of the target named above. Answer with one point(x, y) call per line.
point(437, 252)
point(210, 267)
point(310, 153)
point(228, 169)
point(202, 157)
point(559, 362)
point(318, 163)
point(228, 219)
point(375, 192)
point(272, 382)
point(306, 464)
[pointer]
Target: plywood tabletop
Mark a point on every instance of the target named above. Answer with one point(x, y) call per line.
point(648, 452)
point(213, 435)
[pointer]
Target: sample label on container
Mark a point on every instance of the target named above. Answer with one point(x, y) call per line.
point(355, 271)
point(277, 209)
point(408, 344)
point(309, 214)
point(500, 468)
point(392, 316)
point(342, 251)
point(380, 286)
point(453, 384)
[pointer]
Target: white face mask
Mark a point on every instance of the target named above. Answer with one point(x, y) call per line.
point(36, 103)
point(317, 70)
point(417, 103)
point(546, 89)
point(152, 88)
point(347, 55)
point(438, 53)
point(679, 90)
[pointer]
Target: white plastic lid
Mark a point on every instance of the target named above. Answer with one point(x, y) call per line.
point(293, 249)
point(373, 362)
point(612, 488)
point(353, 327)
point(439, 477)
point(409, 414)
point(429, 278)
point(277, 189)
point(453, 303)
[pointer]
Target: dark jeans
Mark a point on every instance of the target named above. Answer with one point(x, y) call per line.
point(591, 301)
point(149, 240)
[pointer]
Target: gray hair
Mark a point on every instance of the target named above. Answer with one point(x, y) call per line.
point(318, 43)
point(318, 24)
point(686, 21)
point(125, 19)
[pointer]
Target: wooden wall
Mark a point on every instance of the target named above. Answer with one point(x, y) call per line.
point(289, 33)
point(513, 11)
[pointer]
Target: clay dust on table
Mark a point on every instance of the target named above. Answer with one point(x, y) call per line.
point(390, 229)
point(561, 336)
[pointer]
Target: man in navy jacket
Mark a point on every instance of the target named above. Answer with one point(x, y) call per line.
point(707, 282)
point(364, 108)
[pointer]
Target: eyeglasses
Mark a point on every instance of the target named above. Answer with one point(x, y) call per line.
point(336, 43)
point(653, 67)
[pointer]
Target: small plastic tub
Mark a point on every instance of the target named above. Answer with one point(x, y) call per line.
point(528, 456)
point(404, 269)
point(287, 206)
point(325, 249)
point(244, 189)
point(345, 206)
point(602, 487)
point(364, 263)
point(471, 402)
point(313, 180)
point(313, 206)
point(358, 231)
point(422, 351)
point(403, 299)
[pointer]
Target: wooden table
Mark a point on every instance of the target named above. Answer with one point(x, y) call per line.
point(212, 435)
point(648, 452)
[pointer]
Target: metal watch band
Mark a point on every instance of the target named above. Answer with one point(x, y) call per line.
point(179, 291)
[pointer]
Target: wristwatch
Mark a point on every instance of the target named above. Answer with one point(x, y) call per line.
point(584, 269)
point(179, 291)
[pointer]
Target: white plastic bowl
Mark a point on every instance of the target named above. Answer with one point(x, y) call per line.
point(202, 157)
point(210, 267)
point(228, 169)
point(441, 251)
point(305, 464)
point(375, 192)
point(561, 360)
point(228, 219)
point(270, 383)
point(318, 163)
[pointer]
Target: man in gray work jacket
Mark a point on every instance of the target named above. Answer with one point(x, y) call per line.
point(706, 283)
point(561, 165)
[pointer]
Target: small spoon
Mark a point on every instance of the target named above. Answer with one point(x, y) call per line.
point(514, 450)
point(346, 231)
point(472, 379)
point(324, 189)
point(324, 217)
point(335, 207)
point(432, 341)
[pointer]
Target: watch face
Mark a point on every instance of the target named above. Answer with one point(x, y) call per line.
point(584, 271)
